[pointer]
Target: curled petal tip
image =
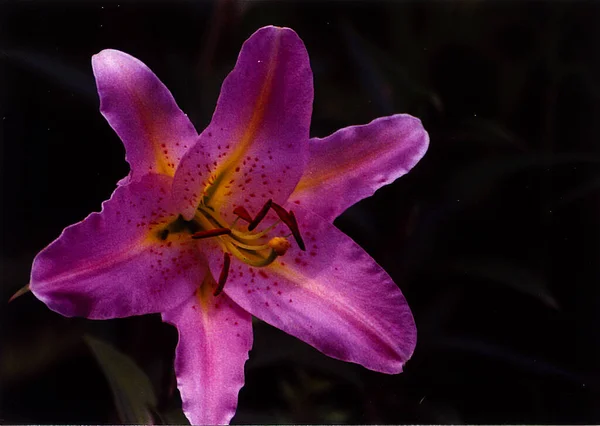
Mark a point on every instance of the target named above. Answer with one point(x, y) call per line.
point(107, 57)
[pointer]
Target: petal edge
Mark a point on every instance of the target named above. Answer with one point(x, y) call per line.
point(112, 264)
point(352, 163)
point(215, 336)
point(142, 111)
point(334, 297)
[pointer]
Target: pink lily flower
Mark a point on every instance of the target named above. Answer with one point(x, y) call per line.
point(211, 229)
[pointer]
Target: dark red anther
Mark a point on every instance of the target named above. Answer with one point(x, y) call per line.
point(296, 232)
point(260, 216)
point(223, 275)
point(242, 213)
point(211, 233)
point(283, 215)
point(290, 220)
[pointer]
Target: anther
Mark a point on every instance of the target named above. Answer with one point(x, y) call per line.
point(283, 215)
point(223, 275)
point(242, 213)
point(260, 216)
point(211, 233)
point(296, 232)
point(290, 220)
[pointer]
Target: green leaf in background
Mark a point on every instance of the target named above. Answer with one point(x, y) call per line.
point(132, 390)
point(174, 416)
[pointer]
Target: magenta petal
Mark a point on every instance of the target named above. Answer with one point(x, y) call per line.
point(354, 162)
point(114, 264)
point(215, 336)
point(333, 296)
point(255, 147)
point(144, 114)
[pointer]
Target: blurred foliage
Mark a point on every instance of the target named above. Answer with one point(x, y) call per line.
point(132, 390)
point(493, 237)
point(505, 273)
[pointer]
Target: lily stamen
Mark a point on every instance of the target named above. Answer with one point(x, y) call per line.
point(251, 257)
point(258, 235)
point(211, 218)
point(211, 233)
point(224, 274)
point(290, 220)
point(261, 215)
point(242, 213)
point(248, 246)
point(296, 232)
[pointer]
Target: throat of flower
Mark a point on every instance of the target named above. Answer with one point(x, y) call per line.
point(251, 246)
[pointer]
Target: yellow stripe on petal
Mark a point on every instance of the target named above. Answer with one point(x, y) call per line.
point(204, 294)
point(325, 170)
point(215, 191)
point(163, 163)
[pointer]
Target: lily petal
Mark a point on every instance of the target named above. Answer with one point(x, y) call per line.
point(144, 114)
point(334, 297)
point(215, 336)
point(354, 162)
point(255, 147)
point(115, 263)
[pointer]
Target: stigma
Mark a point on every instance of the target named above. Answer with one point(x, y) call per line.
point(280, 245)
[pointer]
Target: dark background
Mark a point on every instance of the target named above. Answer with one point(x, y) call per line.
point(493, 237)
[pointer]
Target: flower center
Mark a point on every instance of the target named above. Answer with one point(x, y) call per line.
point(253, 247)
